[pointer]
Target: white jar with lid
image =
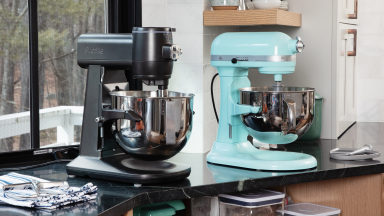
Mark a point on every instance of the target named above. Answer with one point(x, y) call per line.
point(309, 209)
point(255, 203)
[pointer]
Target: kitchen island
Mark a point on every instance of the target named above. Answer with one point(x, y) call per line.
point(331, 181)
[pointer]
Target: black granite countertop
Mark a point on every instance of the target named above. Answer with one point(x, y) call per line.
point(116, 198)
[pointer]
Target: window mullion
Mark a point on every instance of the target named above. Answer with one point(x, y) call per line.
point(34, 74)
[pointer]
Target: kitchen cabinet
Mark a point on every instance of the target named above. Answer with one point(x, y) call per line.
point(346, 77)
point(355, 196)
point(328, 63)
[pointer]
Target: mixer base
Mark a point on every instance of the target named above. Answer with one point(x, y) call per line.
point(245, 155)
point(122, 168)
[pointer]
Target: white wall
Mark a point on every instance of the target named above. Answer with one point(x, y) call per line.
point(192, 73)
point(313, 65)
point(370, 77)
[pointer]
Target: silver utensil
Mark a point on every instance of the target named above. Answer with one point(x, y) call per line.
point(36, 186)
point(362, 150)
point(364, 153)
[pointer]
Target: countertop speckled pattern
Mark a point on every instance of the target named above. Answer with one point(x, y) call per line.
point(116, 198)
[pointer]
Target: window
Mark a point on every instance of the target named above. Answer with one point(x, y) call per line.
point(61, 80)
point(14, 76)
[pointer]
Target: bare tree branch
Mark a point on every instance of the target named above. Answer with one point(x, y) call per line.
point(59, 57)
point(16, 81)
point(13, 103)
point(23, 12)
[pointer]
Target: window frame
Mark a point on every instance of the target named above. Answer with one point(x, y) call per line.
point(33, 48)
point(120, 17)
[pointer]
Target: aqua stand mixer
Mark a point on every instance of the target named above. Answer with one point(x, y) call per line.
point(272, 115)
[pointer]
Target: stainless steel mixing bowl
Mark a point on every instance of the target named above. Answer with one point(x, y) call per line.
point(288, 110)
point(164, 130)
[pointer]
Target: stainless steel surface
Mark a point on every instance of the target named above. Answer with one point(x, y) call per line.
point(278, 86)
point(173, 109)
point(266, 58)
point(102, 74)
point(19, 186)
point(242, 5)
point(299, 45)
point(99, 119)
point(46, 185)
point(272, 90)
point(162, 93)
point(36, 186)
point(164, 130)
point(345, 154)
point(289, 111)
point(102, 135)
point(362, 150)
point(278, 83)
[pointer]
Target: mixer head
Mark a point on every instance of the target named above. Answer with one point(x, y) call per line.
point(280, 119)
point(149, 52)
point(153, 55)
point(271, 52)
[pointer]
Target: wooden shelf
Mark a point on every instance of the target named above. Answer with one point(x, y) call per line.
point(251, 17)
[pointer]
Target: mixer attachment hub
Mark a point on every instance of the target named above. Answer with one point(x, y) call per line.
point(278, 86)
point(162, 93)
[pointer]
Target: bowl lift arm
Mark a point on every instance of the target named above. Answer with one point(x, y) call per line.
point(99, 154)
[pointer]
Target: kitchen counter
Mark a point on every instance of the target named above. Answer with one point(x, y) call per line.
point(116, 198)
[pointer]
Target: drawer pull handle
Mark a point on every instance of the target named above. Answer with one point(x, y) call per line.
point(354, 15)
point(354, 32)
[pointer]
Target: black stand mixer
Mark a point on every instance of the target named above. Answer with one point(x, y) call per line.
point(127, 135)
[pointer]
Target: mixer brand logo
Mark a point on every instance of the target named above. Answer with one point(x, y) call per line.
point(95, 50)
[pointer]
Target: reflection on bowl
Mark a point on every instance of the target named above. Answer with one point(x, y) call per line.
point(286, 114)
point(165, 127)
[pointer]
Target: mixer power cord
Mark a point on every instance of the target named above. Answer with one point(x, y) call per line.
point(213, 99)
